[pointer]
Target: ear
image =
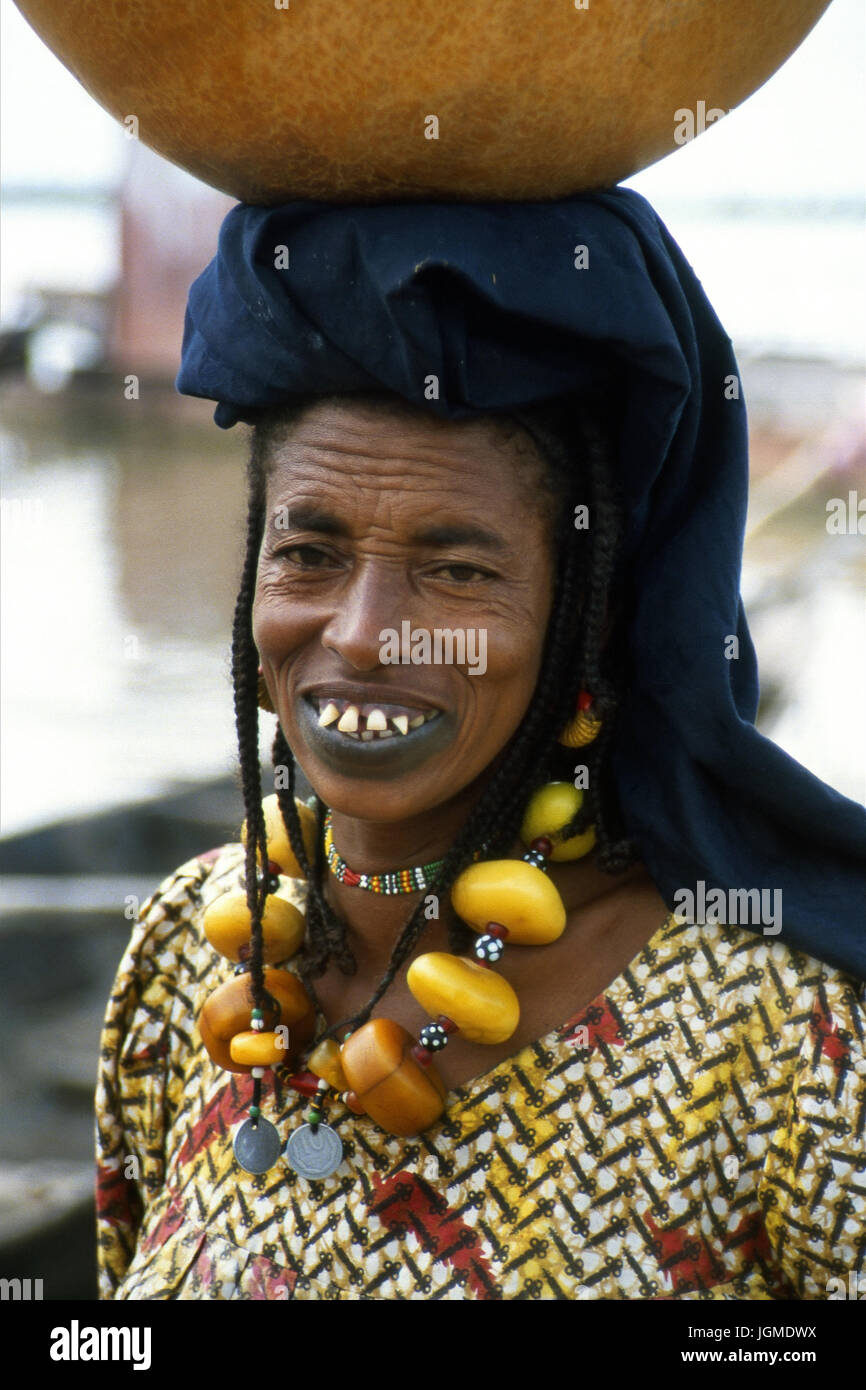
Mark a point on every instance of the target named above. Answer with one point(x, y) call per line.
point(265, 701)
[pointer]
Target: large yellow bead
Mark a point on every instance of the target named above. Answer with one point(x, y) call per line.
point(481, 1003)
point(548, 811)
point(227, 927)
point(253, 1049)
point(324, 1061)
point(279, 847)
point(513, 893)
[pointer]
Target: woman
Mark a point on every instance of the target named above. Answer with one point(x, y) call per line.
point(558, 464)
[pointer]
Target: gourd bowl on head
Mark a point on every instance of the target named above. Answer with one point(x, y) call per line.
point(464, 99)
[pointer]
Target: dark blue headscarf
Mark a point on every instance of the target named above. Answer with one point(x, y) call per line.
point(508, 304)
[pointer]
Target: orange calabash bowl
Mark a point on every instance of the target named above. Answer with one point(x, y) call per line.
point(377, 100)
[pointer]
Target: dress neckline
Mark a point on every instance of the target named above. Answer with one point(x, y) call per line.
point(555, 1035)
point(464, 1094)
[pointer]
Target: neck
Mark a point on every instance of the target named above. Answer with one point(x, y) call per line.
point(374, 920)
point(374, 847)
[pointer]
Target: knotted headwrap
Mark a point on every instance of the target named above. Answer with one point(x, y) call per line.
point(508, 304)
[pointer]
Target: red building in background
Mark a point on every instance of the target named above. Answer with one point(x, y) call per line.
point(169, 223)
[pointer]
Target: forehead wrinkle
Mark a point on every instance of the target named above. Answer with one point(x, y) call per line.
point(319, 473)
point(329, 497)
point(316, 488)
point(432, 454)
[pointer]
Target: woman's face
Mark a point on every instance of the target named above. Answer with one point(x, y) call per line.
point(384, 528)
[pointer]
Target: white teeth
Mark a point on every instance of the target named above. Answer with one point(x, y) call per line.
point(375, 725)
point(348, 724)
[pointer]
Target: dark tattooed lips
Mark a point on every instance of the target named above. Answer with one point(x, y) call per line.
point(410, 734)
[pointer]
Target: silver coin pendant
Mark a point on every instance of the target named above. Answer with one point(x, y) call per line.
point(314, 1153)
point(256, 1145)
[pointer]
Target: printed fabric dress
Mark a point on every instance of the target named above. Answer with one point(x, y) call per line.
point(696, 1132)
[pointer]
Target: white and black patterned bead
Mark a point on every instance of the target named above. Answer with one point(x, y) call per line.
point(489, 948)
point(433, 1037)
point(532, 856)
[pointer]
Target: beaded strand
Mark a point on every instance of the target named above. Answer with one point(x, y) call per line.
point(412, 880)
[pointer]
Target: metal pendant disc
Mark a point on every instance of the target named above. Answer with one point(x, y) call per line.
point(257, 1146)
point(314, 1153)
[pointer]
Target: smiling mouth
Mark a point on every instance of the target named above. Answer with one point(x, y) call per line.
point(368, 723)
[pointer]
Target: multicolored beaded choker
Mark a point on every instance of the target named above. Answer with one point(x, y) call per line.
point(398, 881)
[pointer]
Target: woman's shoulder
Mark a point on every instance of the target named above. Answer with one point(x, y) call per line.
point(170, 920)
point(167, 922)
point(168, 955)
point(740, 967)
point(194, 883)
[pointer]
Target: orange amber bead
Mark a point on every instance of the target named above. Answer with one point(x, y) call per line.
point(226, 1013)
point(399, 1094)
point(226, 925)
point(279, 846)
point(253, 1049)
point(324, 1061)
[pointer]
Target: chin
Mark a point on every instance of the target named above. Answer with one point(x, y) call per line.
point(370, 795)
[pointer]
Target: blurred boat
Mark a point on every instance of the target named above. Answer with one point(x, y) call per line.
point(69, 893)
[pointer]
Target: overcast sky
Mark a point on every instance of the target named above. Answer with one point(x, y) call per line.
point(803, 133)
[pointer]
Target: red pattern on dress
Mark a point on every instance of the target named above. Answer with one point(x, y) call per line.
point(600, 1022)
point(117, 1199)
point(686, 1260)
point(406, 1202)
point(226, 1109)
point(265, 1280)
point(171, 1220)
point(822, 1027)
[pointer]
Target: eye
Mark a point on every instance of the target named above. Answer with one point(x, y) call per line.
point(308, 557)
point(462, 574)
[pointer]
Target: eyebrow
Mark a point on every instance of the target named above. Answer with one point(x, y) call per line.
point(307, 518)
point(442, 535)
point(460, 533)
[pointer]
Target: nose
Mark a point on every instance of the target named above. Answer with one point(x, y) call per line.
point(375, 599)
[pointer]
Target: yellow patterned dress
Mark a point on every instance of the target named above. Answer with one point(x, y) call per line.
point(697, 1132)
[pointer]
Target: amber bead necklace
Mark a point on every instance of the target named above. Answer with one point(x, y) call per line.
point(379, 1069)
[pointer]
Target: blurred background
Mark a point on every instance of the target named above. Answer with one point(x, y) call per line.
point(117, 730)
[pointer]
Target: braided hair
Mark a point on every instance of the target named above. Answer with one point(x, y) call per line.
point(583, 650)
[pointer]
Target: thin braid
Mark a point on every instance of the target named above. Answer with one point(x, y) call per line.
point(326, 933)
point(600, 664)
point(245, 682)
